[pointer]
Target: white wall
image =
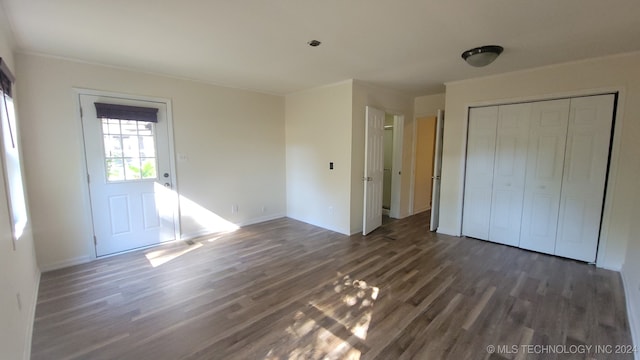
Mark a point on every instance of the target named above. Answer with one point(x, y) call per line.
point(428, 105)
point(328, 124)
point(622, 71)
point(318, 131)
point(18, 271)
point(234, 141)
point(392, 102)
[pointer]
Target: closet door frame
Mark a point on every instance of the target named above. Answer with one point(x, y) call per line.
point(614, 157)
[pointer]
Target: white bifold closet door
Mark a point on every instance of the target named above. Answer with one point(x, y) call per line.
point(481, 149)
point(509, 173)
point(543, 182)
point(585, 172)
point(536, 174)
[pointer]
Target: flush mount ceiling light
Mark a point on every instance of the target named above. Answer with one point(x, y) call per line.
point(314, 43)
point(482, 56)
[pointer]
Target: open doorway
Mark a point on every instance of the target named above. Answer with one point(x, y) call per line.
point(383, 167)
point(388, 164)
point(393, 128)
point(427, 167)
point(424, 157)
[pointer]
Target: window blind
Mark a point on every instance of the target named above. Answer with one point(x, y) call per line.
point(126, 112)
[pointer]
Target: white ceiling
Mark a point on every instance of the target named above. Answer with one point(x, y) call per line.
point(409, 45)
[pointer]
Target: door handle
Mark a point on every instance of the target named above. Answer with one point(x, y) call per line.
point(367, 178)
point(435, 177)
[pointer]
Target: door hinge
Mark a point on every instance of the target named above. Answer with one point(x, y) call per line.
point(95, 240)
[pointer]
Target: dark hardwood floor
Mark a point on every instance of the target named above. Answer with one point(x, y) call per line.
point(288, 290)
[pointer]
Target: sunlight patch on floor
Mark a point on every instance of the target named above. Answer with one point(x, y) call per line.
point(160, 257)
point(332, 327)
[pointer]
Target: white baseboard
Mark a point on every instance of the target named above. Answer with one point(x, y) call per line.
point(66, 263)
point(31, 319)
point(206, 232)
point(616, 268)
point(633, 312)
point(198, 234)
point(261, 219)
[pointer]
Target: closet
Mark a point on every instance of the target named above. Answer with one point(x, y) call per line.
point(536, 172)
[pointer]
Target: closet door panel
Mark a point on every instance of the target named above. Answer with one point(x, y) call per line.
point(481, 146)
point(509, 173)
point(585, 171)
point(543, 181)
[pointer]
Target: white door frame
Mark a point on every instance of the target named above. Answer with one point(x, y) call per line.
point(77, 92)
point(614, 162)
point(437, 173)
point(396, 166)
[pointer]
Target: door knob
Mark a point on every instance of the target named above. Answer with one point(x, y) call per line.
point(167, 185)
point(166, 175)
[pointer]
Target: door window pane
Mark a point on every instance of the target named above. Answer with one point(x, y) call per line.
point(132, 169)
point(115, 170)
point(111, 126)
point(130, 146)
point(148, 168)
point(147, 146)
point(112, 146)
point(129, 127)
point(129, 150)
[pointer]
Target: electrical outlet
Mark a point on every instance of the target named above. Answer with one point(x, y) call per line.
point(264, 209)
point(234, 208)
point(331, 210)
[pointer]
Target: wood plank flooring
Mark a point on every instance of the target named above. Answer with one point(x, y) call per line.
point(288, 290)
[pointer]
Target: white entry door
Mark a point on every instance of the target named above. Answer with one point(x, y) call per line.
point(129, 173)
point(437, 171)
point(373, 169)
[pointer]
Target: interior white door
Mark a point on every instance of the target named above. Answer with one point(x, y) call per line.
point(437, 173)
point(373, 169)
point(585, 171)
point(481, 147)
point(130, 177)
point(509, 172)
point(543, 181)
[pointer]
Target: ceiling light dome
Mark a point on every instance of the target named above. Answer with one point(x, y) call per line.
point(483, 55)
